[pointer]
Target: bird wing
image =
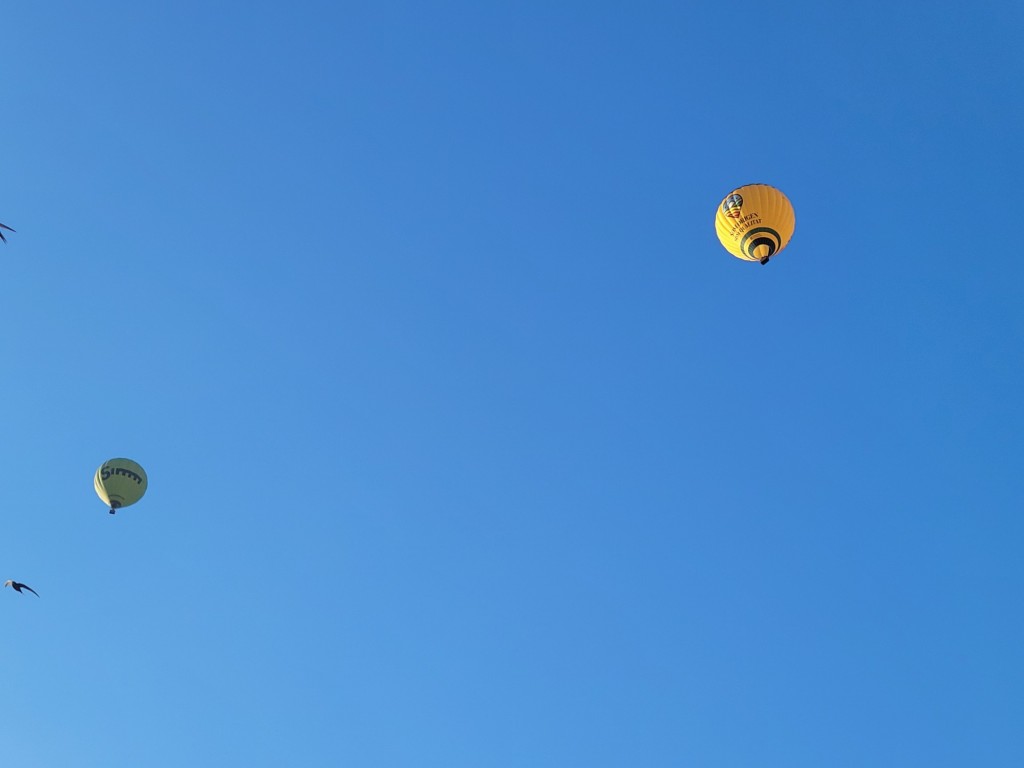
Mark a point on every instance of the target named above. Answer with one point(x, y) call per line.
point(26, 586)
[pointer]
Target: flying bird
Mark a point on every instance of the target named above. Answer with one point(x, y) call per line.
point(18, 587)
point(4, 226)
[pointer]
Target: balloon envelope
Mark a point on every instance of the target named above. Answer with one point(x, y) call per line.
point(120, 483)
point(755, 222)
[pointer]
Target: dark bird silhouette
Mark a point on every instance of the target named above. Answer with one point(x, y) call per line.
point(4, 226)
point(18, 587)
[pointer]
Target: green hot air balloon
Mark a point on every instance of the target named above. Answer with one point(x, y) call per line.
point(120, 483)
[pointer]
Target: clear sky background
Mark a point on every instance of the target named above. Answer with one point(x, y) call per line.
point(468, 443)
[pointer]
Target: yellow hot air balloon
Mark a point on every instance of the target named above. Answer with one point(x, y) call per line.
point(120, 483)
point(755, 222)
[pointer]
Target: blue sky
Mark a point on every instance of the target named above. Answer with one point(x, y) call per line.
point(468, 444)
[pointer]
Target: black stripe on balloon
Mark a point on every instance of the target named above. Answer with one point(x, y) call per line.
point(757, 237)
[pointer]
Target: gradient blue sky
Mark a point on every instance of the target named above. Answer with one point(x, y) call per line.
point(468, 444)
